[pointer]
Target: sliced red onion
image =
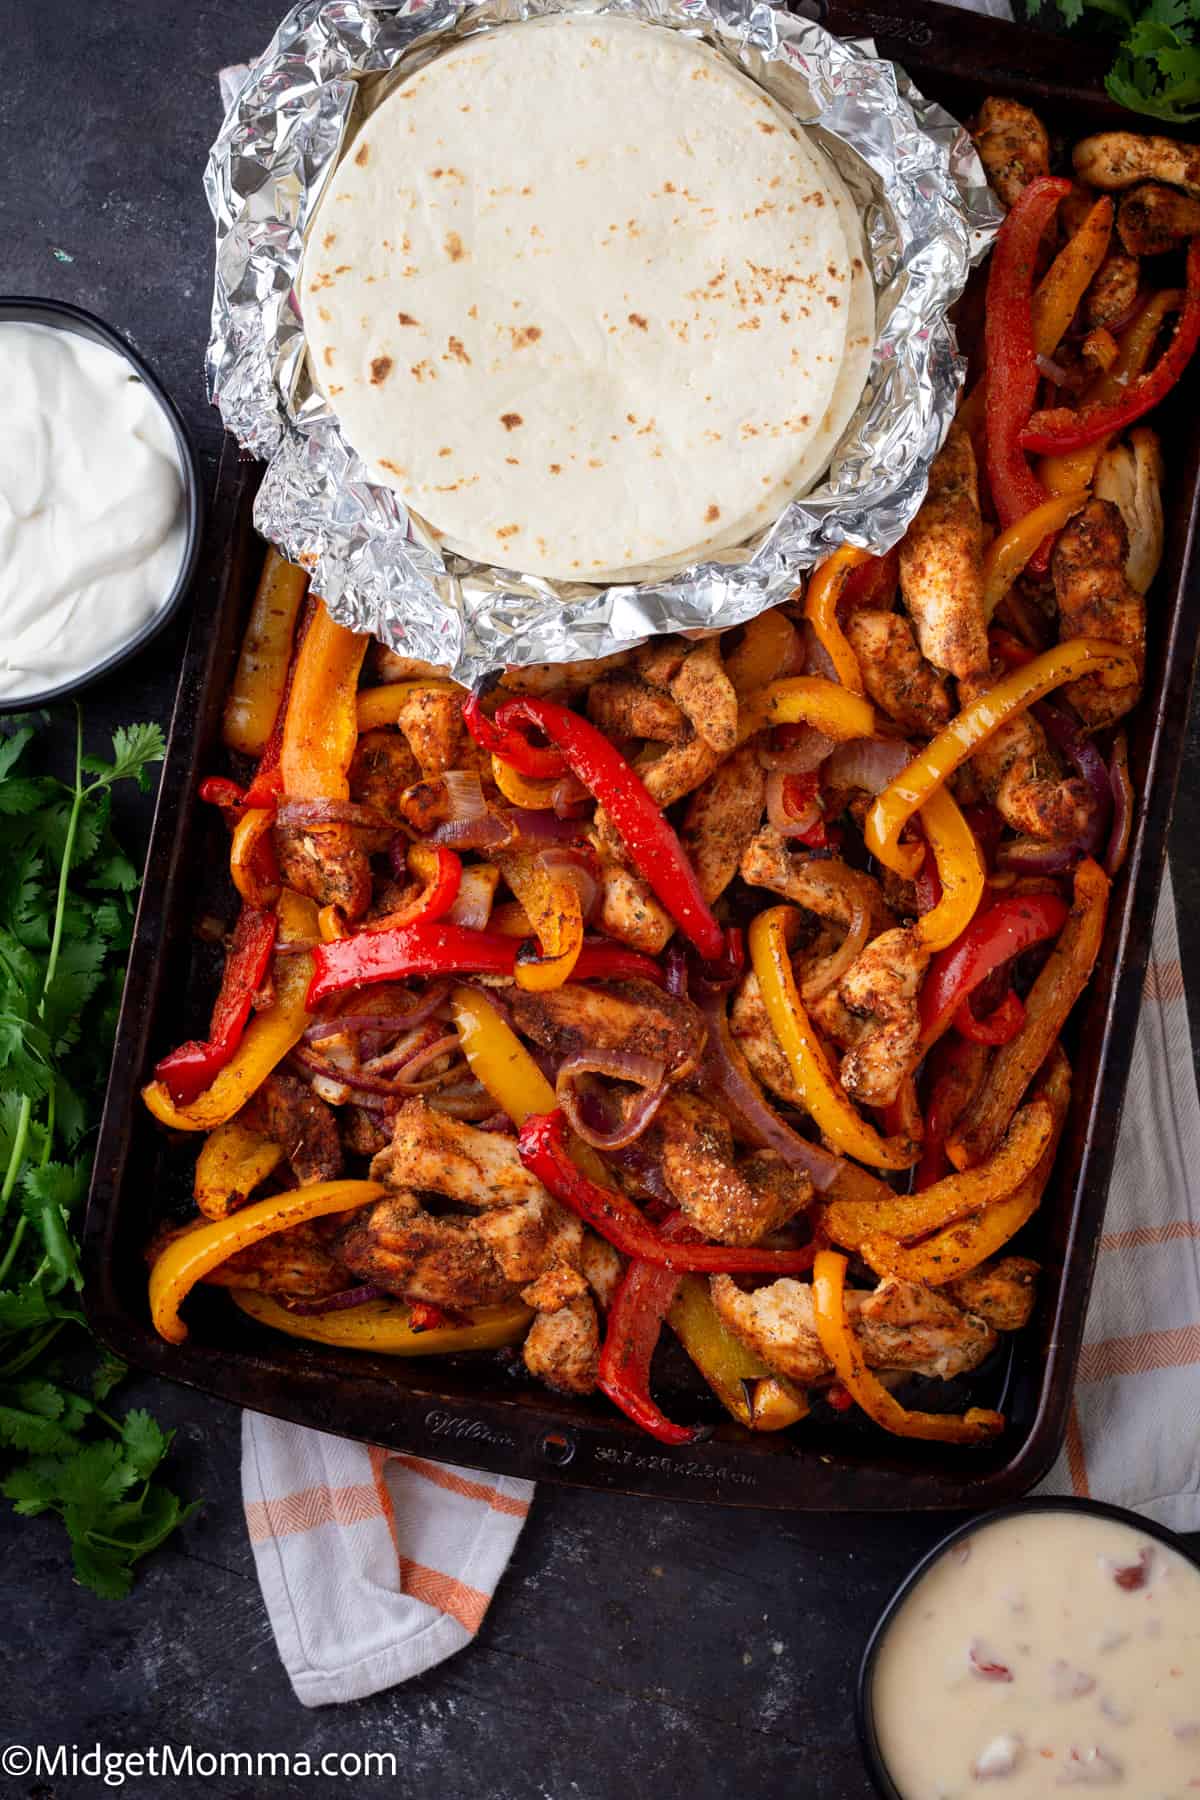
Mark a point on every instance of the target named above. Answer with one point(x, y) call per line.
point(570, 796)
point(406, 1047)
point(868, 764)
point(423, 1005)
point(473, 902)
point(535, 828)
point(469, 1100)
point(805, 749)
point(464, 794)
point(780, 815)
point(1122, 810)
point(675, 967)
point(406, 1077)
point(1067, 736)
point(331, 812)
point(727, 1075)
point(355, 1296)
point(817, 660)
point(398, 855)
point(643, 1072)
point(1030, 856)
point(1052, 371)
point(578, 863)
point(483, 833)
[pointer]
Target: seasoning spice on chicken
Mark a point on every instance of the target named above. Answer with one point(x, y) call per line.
point(587, 982)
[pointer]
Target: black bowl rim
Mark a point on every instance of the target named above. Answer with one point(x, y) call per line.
point(33, 309)
point(868, 1740)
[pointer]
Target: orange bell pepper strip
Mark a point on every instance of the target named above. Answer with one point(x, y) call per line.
point(776, 1403)
point(825, 589)
point(956, 742)
point(723, 1360)
point(1008, 554)
point(252, 705)
point(960, 868)
point(386, 1327)
point(233, 1160)
point(1056, 297)
point(383, 705)
point(908, 1216)
point(1075, 469)
point(769, 647)
point(824, 1098)
point(266, 1040)
point(523, 790)
point(321, 727)
point(195, 1253)
point(841, 1346)
point(551, 903)
point(252, 860)
point(1058, 986)
point(808, 700)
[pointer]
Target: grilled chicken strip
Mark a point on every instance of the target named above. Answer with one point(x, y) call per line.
point(751, 1031)
point(679, 770)
point(1020, 776)
point(721, 819)
point(1002, 1292)
point(941, 563)
point(873, 1011)
point(900, 1325)
point(382, 768)
point(628, 911)
point(625, 706)
point(432, 1151)
point(1095, 599)
point(830, 889)
point(660, 661)
point(1121, 159)
point(614, 1015)
point(286, 1110)
point(895, 674)
point(324, 862)
point(562, 1348)
point(387, 666)
point(406, 1251)
point(1152, 219)
point(431, 721)
point(732, 1205)
point(1113, 290)
point(1013, 146)
point(704, 694)
point(545, 679)
point(294, 1265)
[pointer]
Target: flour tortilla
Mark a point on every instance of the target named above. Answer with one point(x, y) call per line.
point(578, 296)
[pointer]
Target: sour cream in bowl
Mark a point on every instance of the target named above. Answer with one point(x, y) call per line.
point(1049, 1647)
point(99, 502)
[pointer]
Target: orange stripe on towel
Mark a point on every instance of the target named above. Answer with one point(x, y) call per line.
point(304, 1511)
point(1142, 1354)
point(1076, 1457)
point(457, 1484)
point(466, 1604)
point(1164, 981)
point(1140, 1236)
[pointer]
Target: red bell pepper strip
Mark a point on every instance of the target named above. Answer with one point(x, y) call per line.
point(186, 1072)
point(988, 827)
point(799, 792)
point(436, 948)
point(1012, 374)
point(991, 939)
point(635, 1320)
point(1060, 431)
point(543, 1148)
point(928, 884)
point(955, 1069)
point(872, 584)
point(654, 849)
point(1006, 647)
point(1002, 1023)
point(435, 898)
point(543, 762)
point(217, 790)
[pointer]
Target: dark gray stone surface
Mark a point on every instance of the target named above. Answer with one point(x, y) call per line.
point(632, 1646)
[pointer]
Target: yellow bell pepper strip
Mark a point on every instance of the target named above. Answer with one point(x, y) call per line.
point(384, 1327)
point(321, 728)
point(776, 1403)
point(551, 903)
point(811, 700)
point(252, 860)
point(1008, 554)
point(723, 1360)
point(823, 1096)
point(266, 1040)
point(383, 705)
point(331, 924)
point(960, 869)
point(769, 647)
point(825, 589)
point(1058, 986)
point(1056, 297)
point(961, 1247)
point(252, 705)
point(188, 1258)
point(910, 1216)
point(841, 1346)
point(908, 791)
point(522, 790)
point(233, 1160)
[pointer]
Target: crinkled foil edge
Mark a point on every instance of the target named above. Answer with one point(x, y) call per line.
point(928, 214)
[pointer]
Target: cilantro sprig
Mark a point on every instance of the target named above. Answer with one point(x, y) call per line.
point(1157, 64)
point(66, 913)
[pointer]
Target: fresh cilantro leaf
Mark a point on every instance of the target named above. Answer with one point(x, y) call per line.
point(21, 795)
point(135, 748)
point(72, 985)
point(99, 1566)
point(108, 1373)
point(24, 1428)
point(48, 1195)
point(24, 1309)
point(145, 1442)
point(113, 870)
point(12, 747)
point(1156, 69)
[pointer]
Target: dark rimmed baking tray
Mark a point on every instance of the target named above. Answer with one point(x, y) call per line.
point(476, 1410)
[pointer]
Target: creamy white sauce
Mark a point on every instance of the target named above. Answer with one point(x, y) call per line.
point(92, 525)
point(1047, 1652)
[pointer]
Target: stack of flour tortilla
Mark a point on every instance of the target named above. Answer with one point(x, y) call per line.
point(589, 299)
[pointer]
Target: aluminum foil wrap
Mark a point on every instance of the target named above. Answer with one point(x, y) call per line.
point(928, 214)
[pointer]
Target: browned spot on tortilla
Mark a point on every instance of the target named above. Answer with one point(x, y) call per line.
point(381, 368)
point(343, 269)
point(394, 467)
point(637, 319)
point(594, 463)
point(423, 371)
point(768, 130)
point(504, 532)
point(556, 468)
point(524, 335)
point(335, 388)
point(445, 450)
point(527, 189)
point(668, 187)
point(472, 312)
point(456, 348)
point(328, 354)
point(750, 324)
point(453, 246)
point(406, 319)
point(361, 155)
point(833, 300)
point(323, 313)
point(514, 460)
point(510, 421)
point(329, 240)
point(712, 514)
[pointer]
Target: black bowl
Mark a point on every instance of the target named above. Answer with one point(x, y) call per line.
point(865, 1718)
point(61, 317)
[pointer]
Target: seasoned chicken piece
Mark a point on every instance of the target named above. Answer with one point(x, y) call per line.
point(660, 661)
point(1131, 476)
point(751, 1031)
point(383, 767)
point(365, 1132)
point(704, 694)
point(613, 1015)
point(827, 887)
point(941, 563)
point(679, 770)
point(1013, 146)
point(1095, 599)
point(721, 818)
point(431, 720)
point(408, 1252)
point(293, 1265)
point(430, 1150)
point(873, 1010)
point(628, 911)
point(286, 1110)
point(901, 1325)
point(603, 1267)
point(388, 666)
point(563, 1348)
point(625, 706)
point(1152, 219)
point(562, 678)
point(324, 862)
point(733, 1205)
point(554, 1288)
point(1021, 777)
point(895, 674)
point(1002, 1292)
point(1120, 159)
point(527, 1240)
point(425, 805)
point(1113, 290)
